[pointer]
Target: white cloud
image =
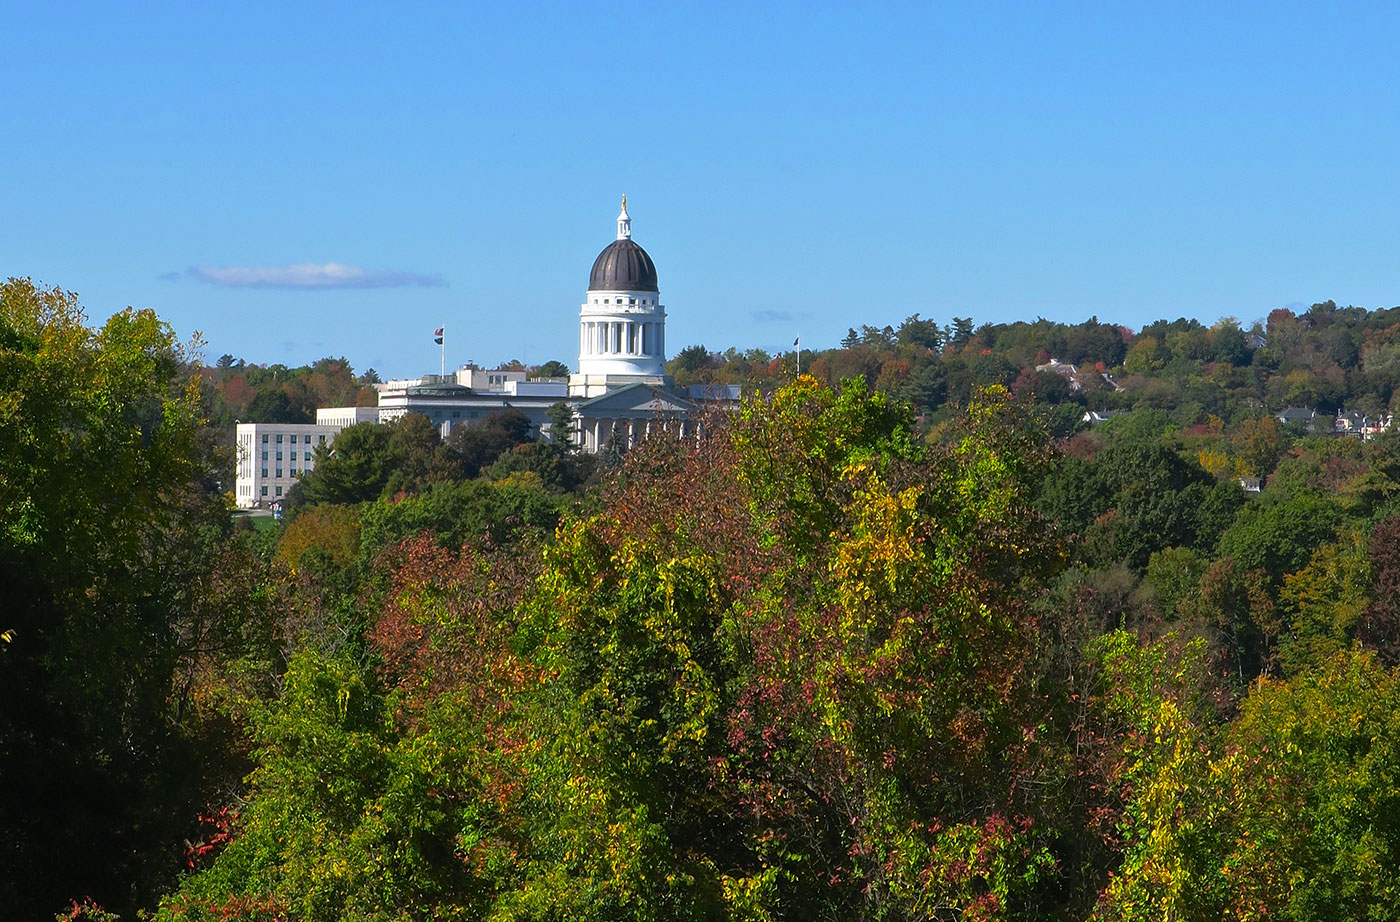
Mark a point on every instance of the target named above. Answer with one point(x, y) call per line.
point(311, 276)
point(771, 316)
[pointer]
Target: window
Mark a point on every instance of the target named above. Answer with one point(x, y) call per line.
point(264, 472)
point(264, 489)
point(264, 454)
point(264, 438)
point(279, 439)
point(279, 491)
point(279, 472)
point(456, 414)
point(279, 454)
point(321, 439)
point(294, 455)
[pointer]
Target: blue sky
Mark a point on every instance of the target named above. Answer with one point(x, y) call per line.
point(792, 168)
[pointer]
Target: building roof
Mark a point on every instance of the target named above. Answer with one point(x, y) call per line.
point(623, 266)
point(712, 392)
point(641, 396)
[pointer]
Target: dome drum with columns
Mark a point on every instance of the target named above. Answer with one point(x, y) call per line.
point(622, 323)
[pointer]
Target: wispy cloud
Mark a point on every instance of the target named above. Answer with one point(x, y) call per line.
point(312, 276)
point(771, 316)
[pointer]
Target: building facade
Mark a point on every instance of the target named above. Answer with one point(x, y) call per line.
point(448, 404)
point(341, 417)
point(271, 456)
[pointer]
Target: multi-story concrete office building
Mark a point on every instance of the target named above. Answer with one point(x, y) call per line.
point(271, 456)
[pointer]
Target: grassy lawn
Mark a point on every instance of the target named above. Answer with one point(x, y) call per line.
point(263, 524)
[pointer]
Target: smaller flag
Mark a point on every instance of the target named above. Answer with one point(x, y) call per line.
point(797, 341)
point(437, 336)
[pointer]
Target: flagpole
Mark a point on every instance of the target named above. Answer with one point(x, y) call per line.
point(798, 343)
point(442, 359)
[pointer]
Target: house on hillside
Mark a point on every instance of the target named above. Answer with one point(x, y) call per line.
point(1350, 423)
point(1302, 416)
point(1374, 426)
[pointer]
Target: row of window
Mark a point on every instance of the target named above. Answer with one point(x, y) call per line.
point(264, 491)
point(320, 439)
point(279, 455)
point(646, 302)
point(291, 471)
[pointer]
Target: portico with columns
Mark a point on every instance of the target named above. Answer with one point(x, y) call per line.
point(623, 417)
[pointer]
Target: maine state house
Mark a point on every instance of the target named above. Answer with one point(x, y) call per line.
point(619, 394)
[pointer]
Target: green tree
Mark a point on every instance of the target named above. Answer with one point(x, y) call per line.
point(102, 525)
point(689, 359)
point(275, 407)
point(1285, 813)
point(562, 428)
point(1324, 602)
point(478, 447)
point(916, 332)
point(551, 369)
point(1279, 537)
point(367, 461)
point(354, 468)
point(961, 333)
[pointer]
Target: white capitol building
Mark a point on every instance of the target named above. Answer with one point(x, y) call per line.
point(618, 395)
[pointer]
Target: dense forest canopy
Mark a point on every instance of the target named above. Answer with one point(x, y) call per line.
point(904, 638)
